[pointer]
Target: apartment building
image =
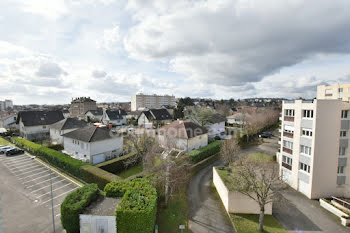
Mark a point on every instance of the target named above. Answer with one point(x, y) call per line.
point(336, 91)
point(314, 146)
point(140, 101)
point(80, 106)
point(6, 104)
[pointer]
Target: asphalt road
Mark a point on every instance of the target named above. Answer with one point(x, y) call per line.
point(25, 195)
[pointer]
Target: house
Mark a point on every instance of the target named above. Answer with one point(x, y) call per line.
point(9, 121)
point(64, 126)
point(314, 146)
point(237, 119)
point(186, 136)
point(93, 144)
point(94, 115)
point(156, 117)
point(34, 125)
point(114, 117)
point(81, 105)
point(216, 126)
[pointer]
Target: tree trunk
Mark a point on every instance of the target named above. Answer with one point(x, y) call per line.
point(167, 174)
point(261, 219)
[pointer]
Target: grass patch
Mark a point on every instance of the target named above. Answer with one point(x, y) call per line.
point(169, 219)
point(261, 157)
point(248, 223)
point(131, 171)
point(3, 142)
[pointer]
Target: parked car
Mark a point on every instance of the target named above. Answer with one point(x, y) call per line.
point(14, 151)
point(4, 149)
point(265, 135)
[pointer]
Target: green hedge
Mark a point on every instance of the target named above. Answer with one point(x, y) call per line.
point(96, 175)
point(74, 204)
point(116, 165)
point(198, 155)
point(136, 213)
point(75, 167)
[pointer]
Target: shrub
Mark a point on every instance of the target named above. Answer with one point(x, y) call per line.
point(116, 165)
point(136, 213)
point(57, 147)
point(74, 204)
point(91, 174)
point(202, 153)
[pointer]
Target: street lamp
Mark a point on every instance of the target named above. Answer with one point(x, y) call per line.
point(51, 191)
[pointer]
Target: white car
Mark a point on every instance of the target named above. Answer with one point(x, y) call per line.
point(5, 148)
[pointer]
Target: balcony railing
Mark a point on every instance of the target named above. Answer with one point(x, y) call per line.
point(329, 95)
point(288, 150)
point(289, 118)
point(288, 135)
point(286, 165)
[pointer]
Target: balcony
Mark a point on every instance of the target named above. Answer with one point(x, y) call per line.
point(289, 118)
point(288, 135)
point(289, 151)
point(289, 167)
point(329, 95)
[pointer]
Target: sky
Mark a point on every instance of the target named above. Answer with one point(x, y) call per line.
point(53, 51)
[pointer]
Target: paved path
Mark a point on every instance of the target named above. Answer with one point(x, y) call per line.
point(207, 213)
point(298, 212)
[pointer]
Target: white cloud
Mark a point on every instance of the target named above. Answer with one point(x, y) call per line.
point(110, 40)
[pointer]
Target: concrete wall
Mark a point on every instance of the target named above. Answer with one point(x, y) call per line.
point(235, 202)
point(55, 135)
point(197, 142)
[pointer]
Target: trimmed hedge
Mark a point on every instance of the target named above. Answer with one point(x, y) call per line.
point(75, 167)
point(136, 213)
point(197, 155)
point(116, 165)
point(74, 204)
point(96, 175)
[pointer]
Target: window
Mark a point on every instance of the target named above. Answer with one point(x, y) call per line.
point(288, 144)
point(289, 112)
point(308, 113)
point(305, 150)
point(344, 114)
point(287, 160)
point(329, 92)
point(288, 131)
point(307, 132)
point(342, 151)
point(304, 167)
point(340, 90)
point(343, 133)
point(340, 170)
point(44, 126)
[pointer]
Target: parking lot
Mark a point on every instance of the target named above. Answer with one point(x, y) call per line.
point(26, 194)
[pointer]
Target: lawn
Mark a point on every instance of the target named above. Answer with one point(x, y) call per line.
point(169, 219)
point(261, 157)
point(131, 171)
point(248, 223)
point(3, 142)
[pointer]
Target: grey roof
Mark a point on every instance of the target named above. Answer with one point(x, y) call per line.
point(69, 123)
point(217, 118)
point(116, 114)
point(90, 134)
point(33, 118)
point(98, 112)
point(157, 114)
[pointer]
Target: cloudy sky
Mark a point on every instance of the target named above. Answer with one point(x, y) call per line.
point(51, 51)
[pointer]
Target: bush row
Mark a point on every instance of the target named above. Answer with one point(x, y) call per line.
point(75, 167)
point(136, 213)
point(117, 165)
point(74, 204)
point(197, 155)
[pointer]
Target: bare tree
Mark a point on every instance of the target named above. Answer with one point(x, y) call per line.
point(259, 180)
point(201, 116)
point(230, 150)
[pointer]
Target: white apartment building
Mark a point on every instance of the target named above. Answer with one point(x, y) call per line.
point(4, 105)
point(140, 101)
point(336, 91)
point(314, 147)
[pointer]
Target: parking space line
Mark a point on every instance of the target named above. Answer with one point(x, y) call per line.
point(46, 186)
point(59, 195)
point(20, 165)
point(42, 182)
point(18, 162)
point(53, 190)
point(19, 157)
point(28, 168)
point(35, 179)
point(31, 171)
point(33, 174)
